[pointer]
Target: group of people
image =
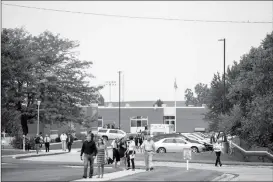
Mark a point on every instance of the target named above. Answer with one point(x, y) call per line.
point(39, 140)
point(124, 151)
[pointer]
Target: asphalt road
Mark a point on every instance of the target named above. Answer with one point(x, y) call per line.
point(42, 172)
point(172, 174)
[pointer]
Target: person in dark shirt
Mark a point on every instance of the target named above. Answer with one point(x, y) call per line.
point(89, 149)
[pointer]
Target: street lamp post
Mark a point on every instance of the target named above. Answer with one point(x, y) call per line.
point(224, 79)
point(119, 101)
point(38, 124)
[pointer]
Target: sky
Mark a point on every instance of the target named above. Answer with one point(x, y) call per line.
point(150, 53)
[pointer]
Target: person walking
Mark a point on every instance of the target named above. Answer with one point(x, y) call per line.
point(101, 156)
point(141, 140)
point(122, 152)
point(41, 141)
point(149, 149)
point(218, 149)
point(131, 153)
point(69, 142)
point(37, 143)
point(47, 142)
point(63, 138)
point(89, 149)
point(115, 144)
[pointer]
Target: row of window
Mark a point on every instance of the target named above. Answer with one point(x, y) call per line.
point(141, 121)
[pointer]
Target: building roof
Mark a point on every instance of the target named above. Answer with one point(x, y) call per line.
point(145, 103)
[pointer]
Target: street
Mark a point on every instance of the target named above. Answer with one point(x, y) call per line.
point(42, 172)
point(173, 174)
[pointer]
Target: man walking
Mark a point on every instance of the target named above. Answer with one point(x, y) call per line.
point(63, 138)
point(218, 148)
point(47, 141)
point(69, 142)
point(149, 149)
point(89, 149)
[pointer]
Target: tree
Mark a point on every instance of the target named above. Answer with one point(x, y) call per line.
point(101, 100)
point(159, 103)
point(43, 67)
point(248, 108)
point(202, 92)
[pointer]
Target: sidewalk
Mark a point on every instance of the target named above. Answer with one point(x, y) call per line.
point(34, 154)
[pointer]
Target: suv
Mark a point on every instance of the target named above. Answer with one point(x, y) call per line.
point(111, 134)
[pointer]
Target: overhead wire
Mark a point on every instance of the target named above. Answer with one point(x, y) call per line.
point(139, 17)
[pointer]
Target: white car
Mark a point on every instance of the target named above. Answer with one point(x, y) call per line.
point(177, 145)
point(111, 134)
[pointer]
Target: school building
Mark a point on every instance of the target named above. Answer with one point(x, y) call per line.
point(134, 117)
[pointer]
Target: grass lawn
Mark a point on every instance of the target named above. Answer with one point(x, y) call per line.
point(13, 152)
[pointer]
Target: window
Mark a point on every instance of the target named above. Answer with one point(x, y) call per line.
point(169, 141)
point(172, 122)
point(99, 123)
point(120, 132)
point(113, 131)
point(133, 123)
point(144, 123)
point(180, 141)
point(167, 122)
point(102, 131)
point(99, 117)
point(138, 123)
point(172, 117)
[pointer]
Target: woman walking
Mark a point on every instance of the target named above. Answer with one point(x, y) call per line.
point(218, 149)
point(102, 154)
point(131, 153)
point(122, 150)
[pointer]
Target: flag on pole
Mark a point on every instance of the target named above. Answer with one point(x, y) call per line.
point(175, 85)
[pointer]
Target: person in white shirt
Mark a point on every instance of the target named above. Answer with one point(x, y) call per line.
point(47, 141)
point(131, 153)
point(149, 149)
point(63, 138)
point(218, 149)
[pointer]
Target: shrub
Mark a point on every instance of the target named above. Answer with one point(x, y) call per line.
point(80, 136)
point(17, 142)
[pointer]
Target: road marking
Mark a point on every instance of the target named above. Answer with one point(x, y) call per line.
point(224, 177)
point(114, 175)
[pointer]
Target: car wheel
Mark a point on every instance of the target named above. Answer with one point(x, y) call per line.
point(194, 150)
point(161, 150)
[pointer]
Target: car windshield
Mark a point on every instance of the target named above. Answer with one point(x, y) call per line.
point(159, 137)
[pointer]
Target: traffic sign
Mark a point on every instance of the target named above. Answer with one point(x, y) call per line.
point(187, 153)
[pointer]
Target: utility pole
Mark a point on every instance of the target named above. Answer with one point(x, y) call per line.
point(224, 79)
point(119, 100)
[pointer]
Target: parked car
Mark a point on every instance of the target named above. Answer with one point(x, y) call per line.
point(177, 145)
point(111, 134)
point(208, 146)
point(162, 136)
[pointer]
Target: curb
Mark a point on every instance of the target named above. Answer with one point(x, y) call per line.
point(224, 162)
point(37, 155)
